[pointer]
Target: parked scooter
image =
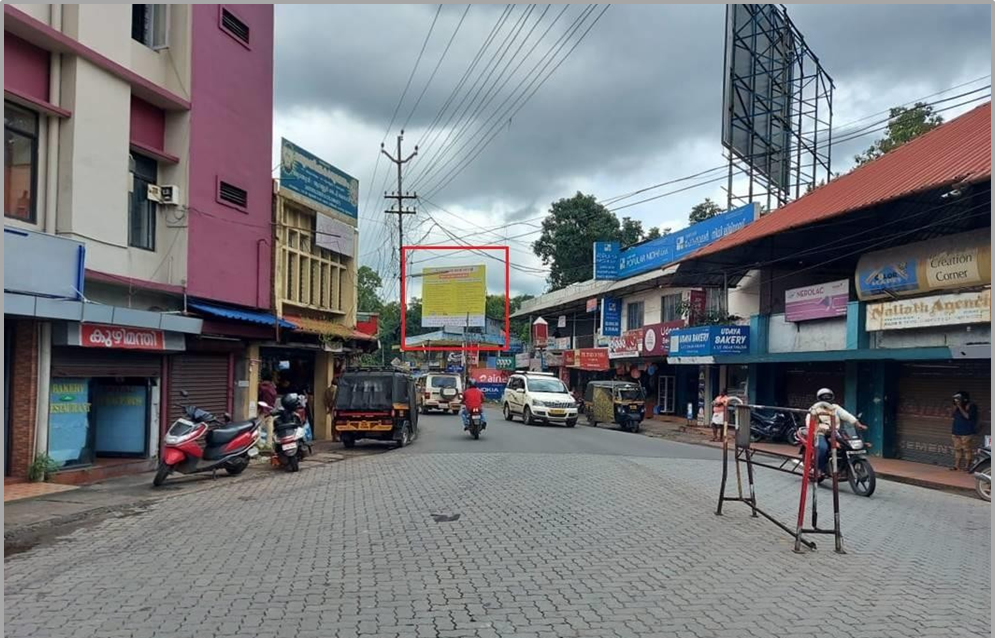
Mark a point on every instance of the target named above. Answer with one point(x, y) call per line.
point(981, 468)
point(200, 442)
point(475, 422)
point(851, 457)
point(777, 426)
point(289, 445)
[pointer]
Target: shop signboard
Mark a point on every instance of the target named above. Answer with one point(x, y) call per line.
point(821, 301)
point(504, 363)
point(317, 180)
point(561, 321)
point(611, 317)
point(69, 421)
point(490, 381)
point(95, 335)
point(592, 305)
point(522, 360)
point(554, 360)
point(627, 345)
point(944, 263)
point(926, 312)
point(612, 263)
point(43, 265)
point(606, 259)
point(569, 358)
point(703, 341)
point(656, 337)
point(454, 296)
point(587, 359)
point(334, 235)
point(561, 343)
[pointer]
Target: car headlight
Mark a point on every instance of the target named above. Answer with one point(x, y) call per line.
point(538, 403)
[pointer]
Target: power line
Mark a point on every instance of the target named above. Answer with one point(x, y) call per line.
point(437, 65)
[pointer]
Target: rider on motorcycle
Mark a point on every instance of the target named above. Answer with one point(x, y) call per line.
point(825, 395)
point(472, 398)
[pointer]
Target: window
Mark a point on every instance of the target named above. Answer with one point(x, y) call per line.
point(547, 385)
point(233, 26)
point(670, 308)
point(634, 315)
point(232, 195)
point(715, 301)
point(20, 162)
point(150, 24)
point(141, 211)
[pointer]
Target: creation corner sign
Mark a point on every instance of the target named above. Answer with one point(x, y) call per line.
point(705, 341)
point(610, 262)
point(317, 180)
point(945, 263)
point(454, 296)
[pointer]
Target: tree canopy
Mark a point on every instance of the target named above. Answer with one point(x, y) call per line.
point(904, 125)
point(705, 210)
point(368, 285)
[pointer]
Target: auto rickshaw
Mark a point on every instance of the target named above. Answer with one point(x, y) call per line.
point(620, 402)
point(376, 404)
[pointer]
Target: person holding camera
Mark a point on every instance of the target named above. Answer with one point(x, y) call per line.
point(965, 426)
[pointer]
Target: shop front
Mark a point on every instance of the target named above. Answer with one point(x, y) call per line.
point(696, 350)
point(583, 365)
point(105, 397)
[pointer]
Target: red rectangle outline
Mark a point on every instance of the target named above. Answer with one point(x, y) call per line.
point(507, 299)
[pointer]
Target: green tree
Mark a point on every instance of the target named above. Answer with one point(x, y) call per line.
point(569, 232)
point(904, 125)
point(705, 210)
point(368, 290)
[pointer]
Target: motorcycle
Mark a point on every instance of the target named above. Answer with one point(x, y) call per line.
point(981, 469)
point(289, 444)
point(200, 442)
point(851, 459)
point(475, 422)
point(776, 426)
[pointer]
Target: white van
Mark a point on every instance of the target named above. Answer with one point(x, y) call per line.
point(441, 392)
point(538, 397)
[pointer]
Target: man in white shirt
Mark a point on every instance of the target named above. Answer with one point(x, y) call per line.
point(824, 424)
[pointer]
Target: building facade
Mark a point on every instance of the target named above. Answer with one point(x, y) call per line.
point(138, 188)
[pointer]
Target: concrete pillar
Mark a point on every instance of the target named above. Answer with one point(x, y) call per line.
point(323, 372)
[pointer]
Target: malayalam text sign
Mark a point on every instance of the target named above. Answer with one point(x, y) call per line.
point(611, 317)
point(317, 180)
point(820, 301)
point(454, 296)
point(95, 335)
point(627, 345)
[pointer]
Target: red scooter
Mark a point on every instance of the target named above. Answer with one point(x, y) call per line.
point(198, 442)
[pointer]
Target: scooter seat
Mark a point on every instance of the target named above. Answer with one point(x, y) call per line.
point(220, 436)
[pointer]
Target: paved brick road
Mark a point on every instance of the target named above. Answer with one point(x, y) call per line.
point(549, 543)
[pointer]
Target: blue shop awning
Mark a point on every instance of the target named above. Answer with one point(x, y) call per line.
point(238, 314)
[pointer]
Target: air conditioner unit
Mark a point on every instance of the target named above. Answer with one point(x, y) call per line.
point(166, 195)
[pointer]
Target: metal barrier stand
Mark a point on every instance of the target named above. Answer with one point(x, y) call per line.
point(744, 452)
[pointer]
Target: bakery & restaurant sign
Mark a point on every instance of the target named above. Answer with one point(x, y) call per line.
point(925, 312)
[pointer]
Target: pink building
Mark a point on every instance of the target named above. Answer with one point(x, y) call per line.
point(141, 133)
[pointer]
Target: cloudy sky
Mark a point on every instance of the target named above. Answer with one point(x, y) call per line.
point(637, 102)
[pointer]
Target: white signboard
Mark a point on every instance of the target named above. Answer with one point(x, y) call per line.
point(522, 360)
point(334, 235)
point(561, 343)
point(936, 310)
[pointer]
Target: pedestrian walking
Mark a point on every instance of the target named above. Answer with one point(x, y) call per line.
point(719, 414)
point(965, 426)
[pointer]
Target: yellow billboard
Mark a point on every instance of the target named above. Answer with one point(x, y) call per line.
point(454, 296)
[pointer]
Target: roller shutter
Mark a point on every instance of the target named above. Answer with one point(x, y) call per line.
point(206, 377)
point(89, 362)
point(802, 381)
point(925, 407)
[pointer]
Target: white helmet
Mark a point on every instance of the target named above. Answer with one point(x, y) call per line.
point(825, 394)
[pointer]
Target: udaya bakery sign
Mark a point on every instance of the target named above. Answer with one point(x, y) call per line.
point(925, 312)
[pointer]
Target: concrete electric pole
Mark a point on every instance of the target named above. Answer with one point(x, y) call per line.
point(400, 211)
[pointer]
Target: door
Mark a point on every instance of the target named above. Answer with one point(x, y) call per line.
point(667, 390)
point(8, 351)
point(516, 396)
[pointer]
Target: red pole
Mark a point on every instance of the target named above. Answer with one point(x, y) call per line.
point(809, 442)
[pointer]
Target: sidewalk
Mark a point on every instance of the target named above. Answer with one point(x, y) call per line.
point(931, 476)
point(36, 512)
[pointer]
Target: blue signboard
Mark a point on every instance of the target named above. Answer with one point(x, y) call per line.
point(606, 259)
point(894, 277)
point(669, 248)
point(319, 181)
point(705, 341)
point(492, 391)
point(69, 421)
point(611, 317)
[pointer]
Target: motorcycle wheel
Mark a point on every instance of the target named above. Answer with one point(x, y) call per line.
point(475, 432)
point(237, 466)
point(161, 473)
point(862, 479)
point(293, 464)
point(982, 487)
point(755, 438)
point(791, 436)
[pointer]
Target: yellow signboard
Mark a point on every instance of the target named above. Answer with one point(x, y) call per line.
point(454, 296)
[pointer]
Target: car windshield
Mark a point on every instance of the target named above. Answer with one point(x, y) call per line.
point(443, 382)
point(547, 385)
point(630, 394)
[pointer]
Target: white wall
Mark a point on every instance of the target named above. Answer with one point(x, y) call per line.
point(806, 336)
point(651, 304)
point(744, 299)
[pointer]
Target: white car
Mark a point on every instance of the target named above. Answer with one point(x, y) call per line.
point(538, 397)
point(442, 392)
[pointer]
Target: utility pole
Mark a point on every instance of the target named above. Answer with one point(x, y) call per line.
point(400, 196)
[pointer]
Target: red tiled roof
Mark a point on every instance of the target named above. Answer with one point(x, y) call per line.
point(960, 150)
